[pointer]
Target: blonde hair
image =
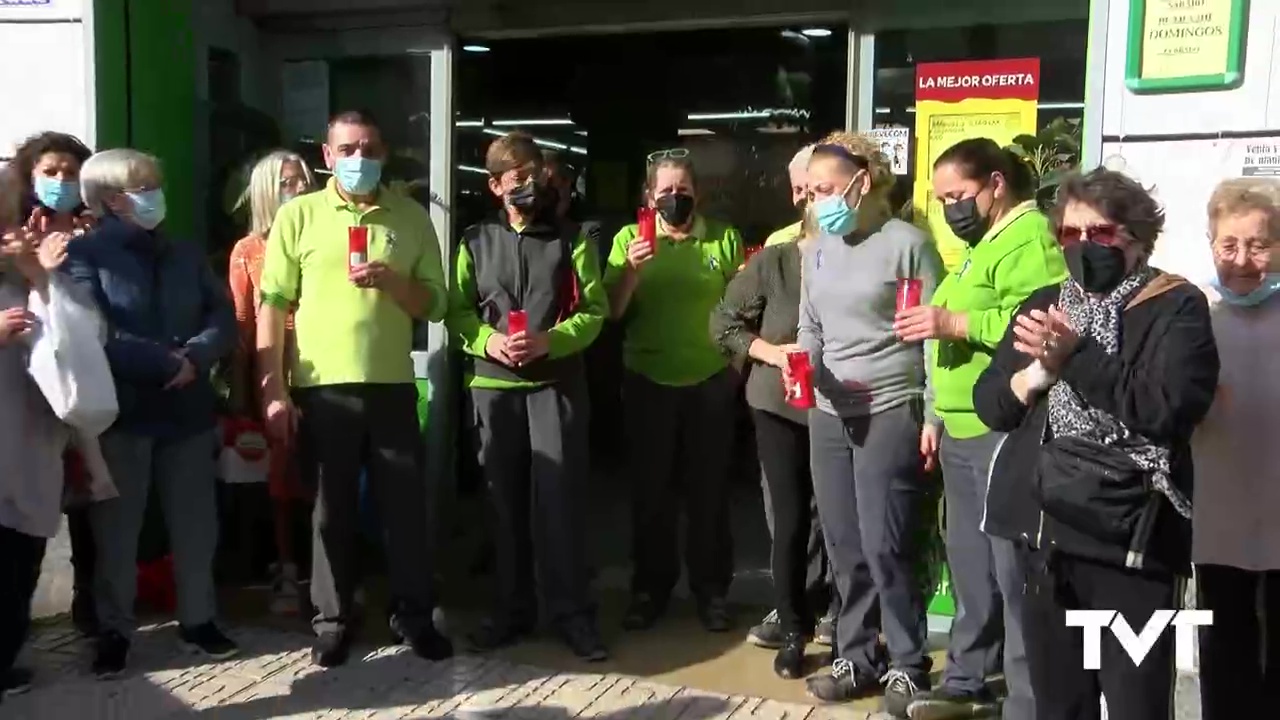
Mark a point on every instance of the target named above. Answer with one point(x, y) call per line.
point(263, 191)
point(111, 172)
point(878, 167)
point(1238, 196)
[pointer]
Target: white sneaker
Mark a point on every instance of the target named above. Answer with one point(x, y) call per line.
point(285, 596)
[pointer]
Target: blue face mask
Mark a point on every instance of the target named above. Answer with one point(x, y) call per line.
point(148, 207)
point(358, 175)
point(57, 195)
point(1270, 285)
point(833, 214)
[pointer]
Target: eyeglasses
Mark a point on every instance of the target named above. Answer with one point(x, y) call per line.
point(1229, 248)
point(1100, 234)
point(673, 153)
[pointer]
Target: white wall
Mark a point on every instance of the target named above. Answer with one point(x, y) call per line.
point(46, 54)
point(1184, 171)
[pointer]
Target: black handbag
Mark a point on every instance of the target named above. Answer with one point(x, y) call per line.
point(1092, 488)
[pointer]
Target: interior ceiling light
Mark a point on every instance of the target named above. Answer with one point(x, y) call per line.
point(534, 121)
point(541, 142)
point(476, 48)
point(816, 32)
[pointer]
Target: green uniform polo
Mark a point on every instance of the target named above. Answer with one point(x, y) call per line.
point(572, 335)
point(787, 234)
point(667, 338)
point(344, 333)
point(1017, 256)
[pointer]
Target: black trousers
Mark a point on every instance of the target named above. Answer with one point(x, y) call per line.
point(783, 447)
point(1240, 653)
point(20, 558)
point(1063, 689)
point(679, 450)
point(344, 429)
point(83, 552)
point(533, 448)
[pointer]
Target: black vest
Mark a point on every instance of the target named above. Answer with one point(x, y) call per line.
point(531, 270)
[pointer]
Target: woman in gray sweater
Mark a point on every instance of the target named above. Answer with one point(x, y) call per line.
point(757, 320)
point(864, 433)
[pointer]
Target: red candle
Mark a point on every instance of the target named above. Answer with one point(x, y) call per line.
point(517, 322)
point(357, 246)
point(647, 220)
point(799, 381)
point(909, 290)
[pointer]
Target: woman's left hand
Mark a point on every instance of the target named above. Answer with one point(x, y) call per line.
point(1045, 336)
point(927, 322)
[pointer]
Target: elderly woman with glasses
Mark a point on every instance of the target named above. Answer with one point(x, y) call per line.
point(170, 320)
point(679, 394)
point(1236, 540)
point(1100, 382)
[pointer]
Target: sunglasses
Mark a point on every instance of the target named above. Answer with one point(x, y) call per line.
point(674, 153)
point(1100, 234)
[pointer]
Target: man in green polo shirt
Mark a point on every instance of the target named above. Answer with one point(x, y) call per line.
point(354, 403)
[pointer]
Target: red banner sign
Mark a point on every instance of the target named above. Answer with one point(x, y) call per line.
point(1014, 79)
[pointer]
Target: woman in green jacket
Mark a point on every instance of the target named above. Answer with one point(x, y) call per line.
point(679, 395)
point(986, 194)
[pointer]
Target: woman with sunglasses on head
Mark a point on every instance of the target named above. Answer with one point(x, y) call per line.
point(986, 194)
point(864, 433)
point(1100, 381)
point(276, 179)
point(1236, 539)
point(679, 395)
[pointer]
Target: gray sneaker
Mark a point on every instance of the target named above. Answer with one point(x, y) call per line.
point(768, 634)
point(826, 631)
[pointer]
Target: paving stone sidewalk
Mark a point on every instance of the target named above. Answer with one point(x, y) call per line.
point(274, 678)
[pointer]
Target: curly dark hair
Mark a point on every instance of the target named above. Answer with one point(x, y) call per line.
point(36, 147)
point(1117, 197)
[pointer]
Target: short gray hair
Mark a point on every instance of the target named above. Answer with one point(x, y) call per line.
point(113, 171)
point(800, 163)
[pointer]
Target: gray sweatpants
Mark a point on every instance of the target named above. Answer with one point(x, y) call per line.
point(986, 573)
point(868, 479)
point(184, 472)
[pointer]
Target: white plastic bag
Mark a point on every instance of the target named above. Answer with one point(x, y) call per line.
point(68, 362)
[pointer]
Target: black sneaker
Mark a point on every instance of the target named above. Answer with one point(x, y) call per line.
point(16, 681)
point(330, 649)
point(209, 640)
point(429, 644)
point(84, 615)
point(497, 634)
point(950, 704)
point(769, 633)
point(111, 655)
point(901, 688)
point(826, 632)
point(788, 664)
point(714, 615)
point(584, 640)
point(844, 683)
point(643, 612)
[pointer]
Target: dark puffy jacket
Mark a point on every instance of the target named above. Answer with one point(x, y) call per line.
point(1161, 384)
point(159, 298)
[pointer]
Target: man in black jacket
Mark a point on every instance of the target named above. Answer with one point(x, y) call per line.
point(1100, 383)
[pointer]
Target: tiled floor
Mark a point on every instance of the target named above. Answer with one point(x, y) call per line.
point(275, 679)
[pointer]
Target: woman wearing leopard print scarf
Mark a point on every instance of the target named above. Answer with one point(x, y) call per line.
point(1100, 382)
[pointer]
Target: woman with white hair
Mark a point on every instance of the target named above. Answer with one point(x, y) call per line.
point(1235, 538)
point(170, 320)
point(798, 174)
point(276, 179)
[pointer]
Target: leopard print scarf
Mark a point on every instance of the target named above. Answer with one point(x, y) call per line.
point(1069, 414)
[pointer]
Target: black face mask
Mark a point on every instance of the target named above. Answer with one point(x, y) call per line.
point(965, 221)
point(675, 209)
point(531, 198)
point(1097, 269)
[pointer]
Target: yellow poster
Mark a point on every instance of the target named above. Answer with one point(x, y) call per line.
point(995, 99)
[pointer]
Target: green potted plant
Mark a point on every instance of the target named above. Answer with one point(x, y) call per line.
point(1051, 153)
